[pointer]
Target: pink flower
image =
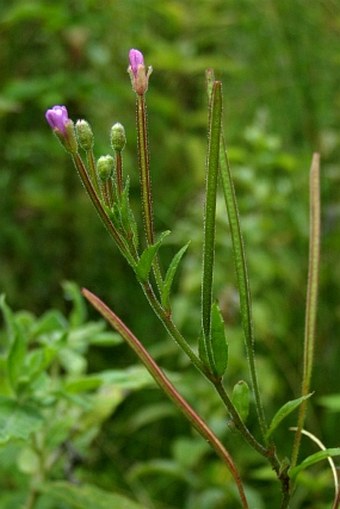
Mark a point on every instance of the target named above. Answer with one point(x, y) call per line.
point(138, 73)
point(136, 58)
point(57, 117)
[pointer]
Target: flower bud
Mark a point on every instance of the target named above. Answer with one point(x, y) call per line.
point(118, 138)
point(57, 117)
point(105, 166)
point(138, 73)
point(63, 127)
point(84, 134)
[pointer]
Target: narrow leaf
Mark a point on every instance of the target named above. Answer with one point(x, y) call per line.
point(243, 285)
point(212, 165)
point(16, 358)
point(285, 410)
point(314, 458)
point(218, 340)
point(145, 262)
point(166, 289)
point(241, 399)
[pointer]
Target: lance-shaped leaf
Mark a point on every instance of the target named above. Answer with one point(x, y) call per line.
point(241, 399)
point(169, 277)
point(285, 410)
point(314, 458)
point(144, 264)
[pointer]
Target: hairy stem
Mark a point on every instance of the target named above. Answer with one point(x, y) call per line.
point(212, 163)
point(242, 279)
point(312, 297)
point(121, 243)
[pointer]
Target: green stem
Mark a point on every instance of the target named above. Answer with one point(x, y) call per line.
point(212, 163)
point(121, 243)
point(312, 298)
point(171, 328)
point(92, 169)
point(241, 427)
point(145, 181)
point(242, 279)
point(165, 384)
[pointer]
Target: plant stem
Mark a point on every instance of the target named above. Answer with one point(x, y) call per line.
point(145, 181)
point(212, 163)
point(165, 384)
point(171, 328)
point(121, 243)
point(119, 171)
point(92, 169)
point(242, 279)
point(312, 297)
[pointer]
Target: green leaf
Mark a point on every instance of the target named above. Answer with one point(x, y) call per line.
point(285, 410)
point(145, 262)
point(17, 421)
point(241, 399)
point(78, 314)
point(16, 358)
point(314, 458)
point(9, 318)
point(166, 288)
point(88, 496)
point(219, 345)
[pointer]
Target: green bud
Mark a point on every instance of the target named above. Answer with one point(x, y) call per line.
point(118, 138)
point(105, 166)
point(85, 135)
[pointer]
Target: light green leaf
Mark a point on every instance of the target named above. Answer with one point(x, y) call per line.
point(314, 458)
point(78, 314)
point(17, 421)
point(166, 289)
point(145, 262)
point(88, 496)
point(9, 318)
point(218, 340)
point(285, 410)
point(28, 461)
point(16, 358)
point(241, 399)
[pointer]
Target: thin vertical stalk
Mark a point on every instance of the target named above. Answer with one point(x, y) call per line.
point(145, 181)
point(242, 280)
point(212, 163)
point(164, 383)
point(92, 169)
point(119, 171)
point(312, 298)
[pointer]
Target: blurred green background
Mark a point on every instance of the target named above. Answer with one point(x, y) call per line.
point(279, 62)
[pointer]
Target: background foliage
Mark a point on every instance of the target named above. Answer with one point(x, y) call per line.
point(279, 62)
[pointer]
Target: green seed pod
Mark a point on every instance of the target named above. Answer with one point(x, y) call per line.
point(84, 134)
point(105, 166)
point(118, 138)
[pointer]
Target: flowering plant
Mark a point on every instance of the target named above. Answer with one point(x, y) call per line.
point(108, 190)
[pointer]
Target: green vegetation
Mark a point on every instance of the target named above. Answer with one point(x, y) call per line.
point(279, 65)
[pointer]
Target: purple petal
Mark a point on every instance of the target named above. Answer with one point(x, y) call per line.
point(136, 58)
point(57, 117)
